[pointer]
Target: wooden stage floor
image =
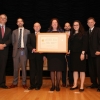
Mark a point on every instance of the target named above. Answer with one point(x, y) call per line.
point(44, 94)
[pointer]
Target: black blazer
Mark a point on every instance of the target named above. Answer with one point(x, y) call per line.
point(5, 40)
point(94, 41)
point(31, 43)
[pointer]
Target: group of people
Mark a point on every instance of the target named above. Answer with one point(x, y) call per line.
point(80, 45)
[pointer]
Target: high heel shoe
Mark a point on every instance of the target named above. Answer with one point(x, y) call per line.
point(73, 88)
point(52, 88)
point(57, 88)
point(81, 90)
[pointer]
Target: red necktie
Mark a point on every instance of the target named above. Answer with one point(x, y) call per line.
point(2, 31)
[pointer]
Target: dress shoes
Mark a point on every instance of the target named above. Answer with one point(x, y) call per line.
point(63, 85)
point(81, 90)
point(4, 87)
point(52, 88)
point(98, 89)
point(37, 88)
point(93, 86)
point(25, 86)
point(31, 88)
point(13, 86)
point(74, 88)
point(57, 88)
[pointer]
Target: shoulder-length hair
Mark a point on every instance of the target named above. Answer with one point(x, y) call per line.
point(58, 27)
point(81, 28)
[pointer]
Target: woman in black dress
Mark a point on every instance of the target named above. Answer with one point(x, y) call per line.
point(78, 47)
point(56, 61)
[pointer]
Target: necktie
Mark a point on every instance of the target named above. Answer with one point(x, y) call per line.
point(90, 31)
point(2, 31)
point(19, 40)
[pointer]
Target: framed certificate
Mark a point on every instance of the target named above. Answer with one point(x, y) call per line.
point(52, 42)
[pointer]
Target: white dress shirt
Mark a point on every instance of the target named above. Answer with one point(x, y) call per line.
point(91, 29)
point(22, 41)
point(3, 27)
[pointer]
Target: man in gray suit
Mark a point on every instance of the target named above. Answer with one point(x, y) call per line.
point(19, 40)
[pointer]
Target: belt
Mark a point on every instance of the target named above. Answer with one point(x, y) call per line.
point(20, 48)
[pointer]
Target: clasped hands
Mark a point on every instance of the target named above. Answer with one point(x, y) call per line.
point(2, 46)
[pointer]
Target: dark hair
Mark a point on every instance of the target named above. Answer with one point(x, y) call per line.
point(58, 27)
point(20, 18)
point(81, 28)
point(90, 18)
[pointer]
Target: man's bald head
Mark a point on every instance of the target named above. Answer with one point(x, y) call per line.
point(67, 26)
point(37, 27)
point(3, 19)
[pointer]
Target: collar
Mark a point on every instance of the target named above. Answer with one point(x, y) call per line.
point(2, 25)
point(21, 28)
point(91, 28)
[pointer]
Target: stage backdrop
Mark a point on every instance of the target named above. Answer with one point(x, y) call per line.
point(43, 11)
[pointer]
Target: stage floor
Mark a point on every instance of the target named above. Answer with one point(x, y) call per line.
point(44, 94)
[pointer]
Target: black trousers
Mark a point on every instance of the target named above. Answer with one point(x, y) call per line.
point(3, 61)
point(36, 69)
point(70, 73)
point(94, 69)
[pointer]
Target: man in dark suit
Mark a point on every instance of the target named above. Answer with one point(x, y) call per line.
point(94, 53)
point(67, 29)
point(19, 40)
point(5, 40)
point(35, 60)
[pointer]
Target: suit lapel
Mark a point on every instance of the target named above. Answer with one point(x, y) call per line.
point(24, 32)
point(34, 37)
point(0, 34)
point(17, 33)
point(93, 31)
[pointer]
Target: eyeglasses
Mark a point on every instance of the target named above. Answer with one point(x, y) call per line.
point(75, 25)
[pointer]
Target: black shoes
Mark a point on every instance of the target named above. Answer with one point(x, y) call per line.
point(98, 89)
point(93, 86)
point(81, 90)
point(74, 88)
point(57, 88)
point(52, 88)
point(31, 88)
point(4, 87)
point(37, 88)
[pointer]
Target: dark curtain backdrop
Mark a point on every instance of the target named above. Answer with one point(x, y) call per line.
point(43, 11)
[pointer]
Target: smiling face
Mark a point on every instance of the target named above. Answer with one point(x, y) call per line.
point(37, 27)
point(76, 26)
point(3, 19)
point(91, 23)
point(67, 27)
point(54, 24)
point(20, 22)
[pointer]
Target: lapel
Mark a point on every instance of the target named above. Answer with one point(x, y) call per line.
point(17, 33)
point(92, 33)
point(0, 35)
point(34, 37)
point(24, 33)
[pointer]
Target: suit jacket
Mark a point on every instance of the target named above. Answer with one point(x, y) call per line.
point(31, 44)
point(5, 40)
point(94, 41)
point(15, 41)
